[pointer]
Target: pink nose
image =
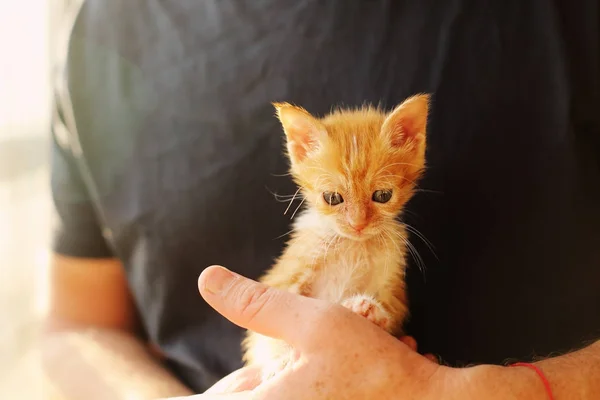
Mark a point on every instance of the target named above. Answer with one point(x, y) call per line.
point(358, 226)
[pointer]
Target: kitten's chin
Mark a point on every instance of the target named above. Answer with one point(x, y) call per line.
point(358, 237)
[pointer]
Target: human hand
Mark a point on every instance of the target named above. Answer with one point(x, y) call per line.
point(340, 354)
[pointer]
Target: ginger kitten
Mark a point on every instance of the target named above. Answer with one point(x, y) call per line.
point(356, 170)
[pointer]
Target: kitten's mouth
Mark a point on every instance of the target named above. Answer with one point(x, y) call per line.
point(358, 236)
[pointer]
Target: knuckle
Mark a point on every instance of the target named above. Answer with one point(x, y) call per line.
point(253, 300)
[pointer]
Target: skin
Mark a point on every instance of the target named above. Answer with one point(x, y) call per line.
point(90, 348)
point(341, 355)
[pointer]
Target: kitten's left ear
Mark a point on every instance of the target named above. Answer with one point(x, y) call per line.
point(304, 132)
point(408, 121)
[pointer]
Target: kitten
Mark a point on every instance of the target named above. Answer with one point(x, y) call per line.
point(356, 170)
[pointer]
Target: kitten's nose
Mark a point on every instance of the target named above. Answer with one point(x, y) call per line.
point(358, 225)
point(357, 218)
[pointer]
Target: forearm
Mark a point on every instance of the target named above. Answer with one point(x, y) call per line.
point(104, 364)
point(572, 376)
point(575, 375)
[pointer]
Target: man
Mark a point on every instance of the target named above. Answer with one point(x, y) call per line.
point(167, 154)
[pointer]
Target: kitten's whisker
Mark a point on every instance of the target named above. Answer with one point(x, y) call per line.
point(419, 260)
point(328, 243)
point(418, 234)
point(392, 241)
point(416, 256)
point(393, 165)
point(416, 189)
point(291, 201)
point(282, 198)
point(396, 245)
point(297, 208)
point(410, 212)
point(285, 234)
point(381, 242)
point(428, 191)
point(411, 181)
point(318, 180)
point(413, 251)
point(338, 240)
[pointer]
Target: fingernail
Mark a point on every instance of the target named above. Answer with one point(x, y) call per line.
point(218, 280)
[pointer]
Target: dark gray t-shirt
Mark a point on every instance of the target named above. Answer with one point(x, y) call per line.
point(167, 153)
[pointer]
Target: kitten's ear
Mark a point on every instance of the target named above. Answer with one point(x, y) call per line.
point(408, 121)
point(303, 131)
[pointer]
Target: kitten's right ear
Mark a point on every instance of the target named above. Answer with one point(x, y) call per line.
point(304, 132)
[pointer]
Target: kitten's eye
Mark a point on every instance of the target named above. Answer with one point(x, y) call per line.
point(333, 198)
point(382, 196)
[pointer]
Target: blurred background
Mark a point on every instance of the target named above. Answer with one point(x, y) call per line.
point(25, 203)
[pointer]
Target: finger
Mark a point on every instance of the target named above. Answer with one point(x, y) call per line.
point(258, 307)
point(246, 378)
point(410, 342)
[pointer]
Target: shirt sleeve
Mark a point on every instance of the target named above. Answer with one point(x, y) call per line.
point(77, 231)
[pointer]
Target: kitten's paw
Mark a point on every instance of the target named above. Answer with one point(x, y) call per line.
point(369, 308)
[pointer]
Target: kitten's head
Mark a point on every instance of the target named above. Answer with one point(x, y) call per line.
point(357, 168)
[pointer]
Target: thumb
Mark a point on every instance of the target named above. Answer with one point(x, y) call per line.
point(260, 308)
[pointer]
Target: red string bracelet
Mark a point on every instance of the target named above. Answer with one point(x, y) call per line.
point(539, 372)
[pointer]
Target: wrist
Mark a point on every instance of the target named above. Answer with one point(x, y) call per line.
point(496, 382)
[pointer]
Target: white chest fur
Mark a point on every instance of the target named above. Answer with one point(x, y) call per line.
point(350, 269)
